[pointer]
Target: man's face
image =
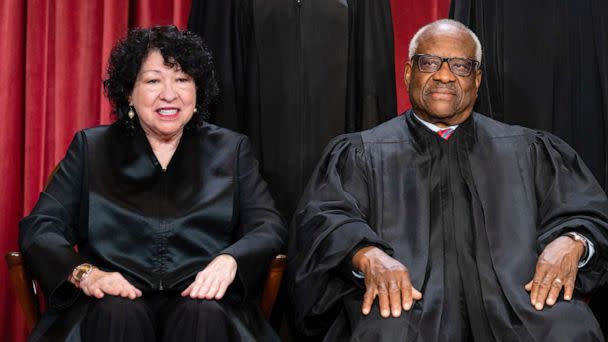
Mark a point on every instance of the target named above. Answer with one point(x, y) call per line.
point(441, 97)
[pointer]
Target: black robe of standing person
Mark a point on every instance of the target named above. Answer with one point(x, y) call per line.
point(468, 217)
point(111, 198)
point(293, 74)
point(549, 58)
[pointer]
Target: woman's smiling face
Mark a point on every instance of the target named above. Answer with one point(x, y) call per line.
point(164, 98)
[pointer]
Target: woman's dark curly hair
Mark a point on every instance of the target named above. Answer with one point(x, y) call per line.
point(181, 49)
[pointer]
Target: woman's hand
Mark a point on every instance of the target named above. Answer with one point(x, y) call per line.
point(99, 283)
point(213, 281)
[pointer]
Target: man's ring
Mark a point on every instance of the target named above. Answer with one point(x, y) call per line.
point(557, 281)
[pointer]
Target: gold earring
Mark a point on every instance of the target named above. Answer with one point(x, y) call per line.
point(131, 113)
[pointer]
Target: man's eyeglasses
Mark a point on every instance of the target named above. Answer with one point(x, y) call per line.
point(459, 66)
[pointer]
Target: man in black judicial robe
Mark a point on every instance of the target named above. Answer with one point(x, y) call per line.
point(466, 235)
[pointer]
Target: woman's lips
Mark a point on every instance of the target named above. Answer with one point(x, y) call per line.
point(168, 113)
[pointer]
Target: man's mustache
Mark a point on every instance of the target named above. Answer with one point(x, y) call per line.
point(442, 88)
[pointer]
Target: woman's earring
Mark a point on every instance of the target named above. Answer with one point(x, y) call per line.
point(195, 109)
point(131, 113)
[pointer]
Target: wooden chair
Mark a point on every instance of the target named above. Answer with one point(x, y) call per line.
point(27, 296)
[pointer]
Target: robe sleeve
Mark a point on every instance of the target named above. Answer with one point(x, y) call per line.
point(331, 221)
point(261, 232)
point(47, 234)
point(570, 199)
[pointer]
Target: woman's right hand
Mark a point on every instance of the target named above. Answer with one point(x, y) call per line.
point(99, 283)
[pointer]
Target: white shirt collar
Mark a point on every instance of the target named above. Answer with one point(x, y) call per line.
point(431, 126)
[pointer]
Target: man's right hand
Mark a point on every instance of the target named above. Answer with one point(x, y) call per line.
point(99, 283)
point(387, 279)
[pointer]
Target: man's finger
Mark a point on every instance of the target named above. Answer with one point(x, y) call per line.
point(417, 295)
point(539, 275)
point(394, 296)
point(528, 286)
point(383, 300)
point(543, 290)
point(406, 295)
point(568, 289)
point(556, 288)
point(368, 299)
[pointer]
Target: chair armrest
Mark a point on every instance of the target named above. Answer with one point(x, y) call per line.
point(24, 288)
point(272, 283)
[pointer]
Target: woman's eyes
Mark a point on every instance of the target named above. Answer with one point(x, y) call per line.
point(178, 80)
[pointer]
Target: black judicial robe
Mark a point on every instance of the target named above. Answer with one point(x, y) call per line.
point(383, 186)
point(549, 58)
point(158, 228)
point(294, 74)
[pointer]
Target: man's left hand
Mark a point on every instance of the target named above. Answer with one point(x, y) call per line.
point(556, 268)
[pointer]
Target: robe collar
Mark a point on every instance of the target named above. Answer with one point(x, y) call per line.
point(133, 154)
point(422, 134)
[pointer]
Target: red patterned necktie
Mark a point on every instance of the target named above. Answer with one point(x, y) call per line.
point(445, 133)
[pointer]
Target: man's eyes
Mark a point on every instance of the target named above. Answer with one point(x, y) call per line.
point(429, 63)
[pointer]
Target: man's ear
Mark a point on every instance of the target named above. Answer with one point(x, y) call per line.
point(478, 75)
point(407, 74)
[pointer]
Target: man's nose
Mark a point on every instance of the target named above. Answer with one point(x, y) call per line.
point(444, 74)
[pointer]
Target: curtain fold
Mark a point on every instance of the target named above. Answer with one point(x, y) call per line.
point(12, 59)
point(54, 55)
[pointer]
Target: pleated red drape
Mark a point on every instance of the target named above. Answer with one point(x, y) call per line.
point(408, 17)
point(52, 59)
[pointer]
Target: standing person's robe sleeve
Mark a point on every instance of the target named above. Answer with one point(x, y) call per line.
point(570, 199)
point(47, 236)
point(330, 222)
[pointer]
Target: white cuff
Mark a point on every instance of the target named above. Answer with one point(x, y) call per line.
point(589, 248)
point(358, 274)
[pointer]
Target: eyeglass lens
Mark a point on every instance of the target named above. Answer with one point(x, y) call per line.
point(459, 66)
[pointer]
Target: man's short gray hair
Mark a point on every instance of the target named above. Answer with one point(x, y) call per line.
point(453, 23)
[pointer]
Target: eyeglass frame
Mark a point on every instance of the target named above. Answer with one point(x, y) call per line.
point(475, 65)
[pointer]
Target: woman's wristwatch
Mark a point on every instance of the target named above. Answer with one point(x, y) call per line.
point(82, 271)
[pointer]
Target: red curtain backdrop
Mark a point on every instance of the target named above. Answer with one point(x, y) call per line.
point(408, 17)
point(52, 56)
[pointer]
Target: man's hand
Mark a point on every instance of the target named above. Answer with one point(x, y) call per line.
point(99, 283)
point(213, 281)
point(556, 268)
point(387, 279)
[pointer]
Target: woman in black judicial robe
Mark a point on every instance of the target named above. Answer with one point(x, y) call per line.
point(173, 224)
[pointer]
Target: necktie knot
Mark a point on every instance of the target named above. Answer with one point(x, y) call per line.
point(445, 133)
